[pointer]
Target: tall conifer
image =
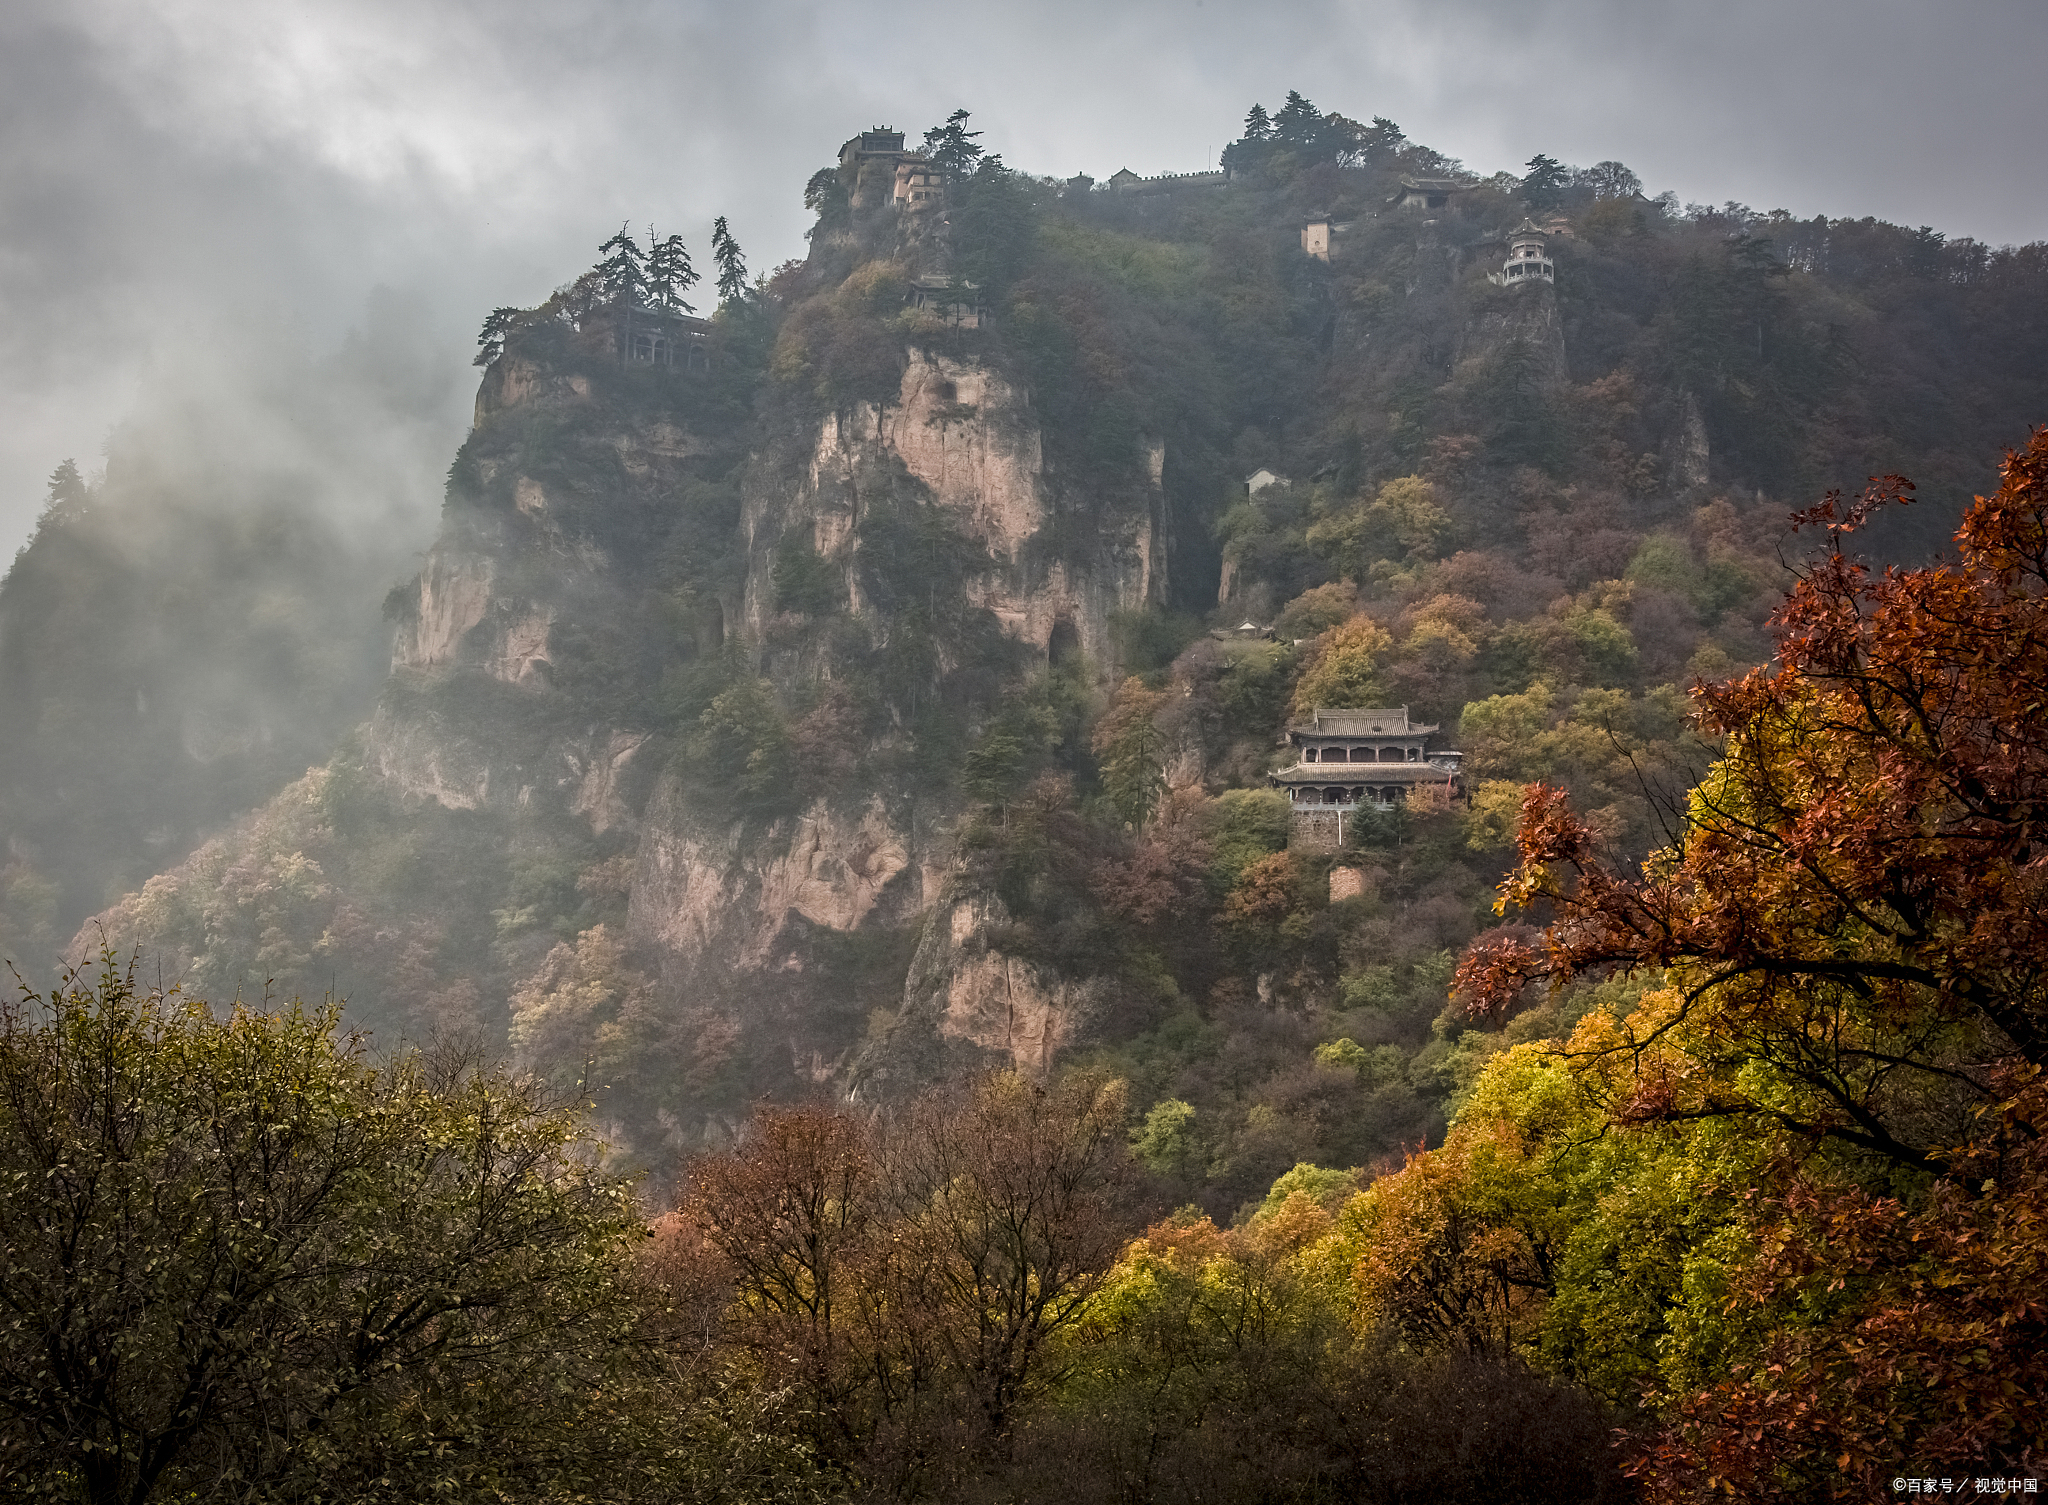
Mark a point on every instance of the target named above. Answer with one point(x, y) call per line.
point(623, 271)
point(670, 274)
point(952, 147)
point(731, 264)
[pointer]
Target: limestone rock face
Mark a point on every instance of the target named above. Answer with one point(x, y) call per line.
point(964, 997)
point(514, 565)
point(601, 792)
point(1526, 317)
point(521, 653)
point(517, 381)
point(968, 439)
point(726, 896)
point(750, 908)
point(967, 434)
point(542, 667)
point(454, 593)
point(414, 758)
point(1687, 454)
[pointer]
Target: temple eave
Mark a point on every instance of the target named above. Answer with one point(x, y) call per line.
point(1363, 773)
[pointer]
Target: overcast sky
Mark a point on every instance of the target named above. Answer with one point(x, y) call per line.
point(177, 173)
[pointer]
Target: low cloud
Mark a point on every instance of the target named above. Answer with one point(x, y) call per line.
point(179, 176)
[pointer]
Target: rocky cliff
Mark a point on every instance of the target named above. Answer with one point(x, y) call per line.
point(830, 710)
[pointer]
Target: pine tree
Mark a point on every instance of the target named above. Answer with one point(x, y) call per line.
point(952, 147)
point(1257, 127)
point(66, 484)
point(491, 343)
point(1298, 120)
point(623, 271)
point(731, 263)
point(1546, 181)
point(68, 494)
point(670, 274)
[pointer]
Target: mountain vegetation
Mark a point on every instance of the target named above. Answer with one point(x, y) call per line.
point(196, 625)
point(830, 739)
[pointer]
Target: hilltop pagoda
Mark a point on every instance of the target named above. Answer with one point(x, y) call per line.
point(1528, 259)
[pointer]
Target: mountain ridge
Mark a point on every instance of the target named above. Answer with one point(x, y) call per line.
point(840, 715)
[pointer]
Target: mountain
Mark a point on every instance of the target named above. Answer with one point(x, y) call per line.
point(187, 631)
point(850, 686)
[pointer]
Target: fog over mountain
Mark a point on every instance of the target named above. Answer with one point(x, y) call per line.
point(1044, 825)
point(188, 176)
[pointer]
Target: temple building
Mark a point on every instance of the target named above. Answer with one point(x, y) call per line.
point(1528, 259)
point(1123, 180)
point(1425, 193)
point(958, 303)
point(868, 163)
point(657, 337)
point(878, 169)
point(918, 181)
point(1353, 761)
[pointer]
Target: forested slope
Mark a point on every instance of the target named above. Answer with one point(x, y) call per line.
point(849, 712)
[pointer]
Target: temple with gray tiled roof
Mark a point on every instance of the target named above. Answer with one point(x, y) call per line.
point(1358, 759)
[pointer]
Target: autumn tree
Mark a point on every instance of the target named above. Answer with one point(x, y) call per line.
point(1448, 1254)
point(1854, 908)
point(1906, 1333)
point(1406, 518)
point(789, 1213)
point(243, 1261)
point(1344, 668)
point(1014, 1192)
point(1851, 924)
point(907, 1274)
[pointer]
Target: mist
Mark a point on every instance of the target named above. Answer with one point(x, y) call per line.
point(197, 621)
point(181, 179)
point(246, 250)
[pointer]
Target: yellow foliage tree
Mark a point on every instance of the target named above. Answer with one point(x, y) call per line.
point(1345, 668)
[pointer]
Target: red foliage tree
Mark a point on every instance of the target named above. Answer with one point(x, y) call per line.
point(1926, 1358)
point(1854, 922)
point(1856, 905)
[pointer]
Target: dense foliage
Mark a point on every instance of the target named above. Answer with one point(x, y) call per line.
point(1717, 1187)
point(1847, 934)
point(954, 1291)
point(244, 1262)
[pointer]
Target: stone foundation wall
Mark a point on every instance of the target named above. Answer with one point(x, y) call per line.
point(1315, 829)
